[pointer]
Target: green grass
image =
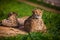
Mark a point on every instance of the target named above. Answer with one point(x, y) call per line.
point(45, 4)
point(52, 21)
point(18, 37)
point(35, 36)
point(21, 9)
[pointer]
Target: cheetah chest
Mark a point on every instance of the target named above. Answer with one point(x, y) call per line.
point(37, 24)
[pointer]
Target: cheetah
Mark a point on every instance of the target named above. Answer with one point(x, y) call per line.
point(11, 21)
point(35, 22)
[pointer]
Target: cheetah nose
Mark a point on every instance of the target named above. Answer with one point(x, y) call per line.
point(36, 17)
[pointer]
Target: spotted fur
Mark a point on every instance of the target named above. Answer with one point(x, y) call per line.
point(11, 21)
point(35, 23)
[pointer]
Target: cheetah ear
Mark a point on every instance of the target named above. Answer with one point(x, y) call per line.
point(9, 14)
point(33, 11)
point(42, 11)
point(15, 13)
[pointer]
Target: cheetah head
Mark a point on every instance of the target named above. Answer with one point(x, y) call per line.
point(12, 14)
point(37, 13)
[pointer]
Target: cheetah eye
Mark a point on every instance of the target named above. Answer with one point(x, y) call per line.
point(40, 12)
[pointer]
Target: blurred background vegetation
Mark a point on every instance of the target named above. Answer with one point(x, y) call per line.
point(41, 2)
point(51, 19)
